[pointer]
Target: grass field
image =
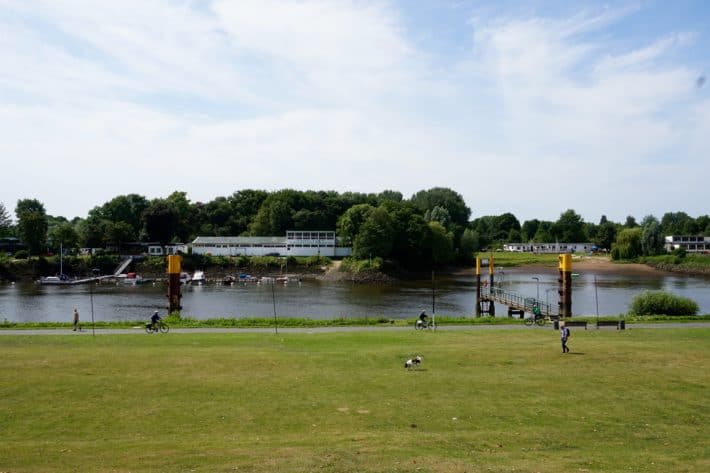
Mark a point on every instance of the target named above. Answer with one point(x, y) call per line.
point(483, 400)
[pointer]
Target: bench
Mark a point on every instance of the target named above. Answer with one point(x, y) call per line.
point(619, 324)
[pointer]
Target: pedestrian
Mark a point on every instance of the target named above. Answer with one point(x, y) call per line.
point(564, 336)
point(76, 320)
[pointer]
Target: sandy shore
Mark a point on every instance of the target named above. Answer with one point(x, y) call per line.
point(603, 264)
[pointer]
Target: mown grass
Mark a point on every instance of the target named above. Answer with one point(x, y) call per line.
point(494, 400)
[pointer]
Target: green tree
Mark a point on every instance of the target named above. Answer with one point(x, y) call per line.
point(678, 223)
point(569, 228)
point(606, 235)
point(160, 221)
point(627, 245)
point(63, 235)
point(651, 238)
point(470, 245)
point(442, 243)
point(118, 233)
point(351, 221)
point(528, 230)
point(376, 236)
point(445, 198)
point(5, 221)
point(630, 222)
point(32, 224)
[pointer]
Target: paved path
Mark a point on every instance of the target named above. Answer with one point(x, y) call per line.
point(446, 328)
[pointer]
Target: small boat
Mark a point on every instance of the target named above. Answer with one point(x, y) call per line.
point(185, 278)
point(228, 280)
point(198, 278)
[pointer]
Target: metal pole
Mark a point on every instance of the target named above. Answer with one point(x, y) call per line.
point(433, 299)
point(273, 299)
point(537, 281)
point(91, 296)
point(596, 296)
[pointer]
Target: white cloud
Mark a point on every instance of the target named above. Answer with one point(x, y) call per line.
point(151, 97)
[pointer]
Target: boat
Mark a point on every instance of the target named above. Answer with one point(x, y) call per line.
point(133, 279)
point(228, 280)
point(198, 278)
point(185, 278)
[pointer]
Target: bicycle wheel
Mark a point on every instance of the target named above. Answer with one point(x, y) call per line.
point(528, 321)
point(148, 329)
point(540, 321)
point(164, 328)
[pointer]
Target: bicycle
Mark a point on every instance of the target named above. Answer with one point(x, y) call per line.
point(538, 319)
point(420, 325)
point(159, 326)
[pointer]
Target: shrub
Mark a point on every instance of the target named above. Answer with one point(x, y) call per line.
point(662, 303)
point(21, 254)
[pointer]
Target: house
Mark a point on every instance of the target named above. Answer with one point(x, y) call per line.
point(294, 243)
point(155, 249)
point(549, 247)
point(690, 243)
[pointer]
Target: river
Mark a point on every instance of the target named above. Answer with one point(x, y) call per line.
point(450, 294)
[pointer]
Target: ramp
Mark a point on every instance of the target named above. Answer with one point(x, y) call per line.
point(124, 264)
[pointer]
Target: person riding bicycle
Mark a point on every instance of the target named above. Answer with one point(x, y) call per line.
point(154, 319)
point(423, 319)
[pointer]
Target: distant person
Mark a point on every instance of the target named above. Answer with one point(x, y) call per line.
point(423, 319)
point(154, 319)
point(564, 336)
point(76, 320)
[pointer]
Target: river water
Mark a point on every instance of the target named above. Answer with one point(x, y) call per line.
point(453, 295)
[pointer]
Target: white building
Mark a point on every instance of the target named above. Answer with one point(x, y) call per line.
point(549, 247)
point(172, 249)
point(690, 243)
point(295, 243)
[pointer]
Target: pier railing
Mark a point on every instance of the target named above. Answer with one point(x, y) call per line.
point(518, 301)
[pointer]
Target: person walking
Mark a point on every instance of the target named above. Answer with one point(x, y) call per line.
point(564, 336)
point(76, 320)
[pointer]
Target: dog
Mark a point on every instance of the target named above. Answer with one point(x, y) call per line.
point(413, 362)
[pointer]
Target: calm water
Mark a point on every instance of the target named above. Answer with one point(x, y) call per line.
point(453, 295)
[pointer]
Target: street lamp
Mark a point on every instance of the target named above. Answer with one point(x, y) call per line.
point(537, 281)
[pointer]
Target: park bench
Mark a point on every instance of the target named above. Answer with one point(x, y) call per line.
point(620, 324)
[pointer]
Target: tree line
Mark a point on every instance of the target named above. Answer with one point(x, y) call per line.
point(431, 227)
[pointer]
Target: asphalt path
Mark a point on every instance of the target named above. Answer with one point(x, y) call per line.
point(87, 331)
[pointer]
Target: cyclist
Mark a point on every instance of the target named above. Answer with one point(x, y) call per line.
point(154, 320)
point(423, 319)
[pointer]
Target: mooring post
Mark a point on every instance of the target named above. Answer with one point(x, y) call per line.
point(478, 286)
point(565, 285)
point(174, 295)
point(491, 270)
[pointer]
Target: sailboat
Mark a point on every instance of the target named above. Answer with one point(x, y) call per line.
point(62, 279)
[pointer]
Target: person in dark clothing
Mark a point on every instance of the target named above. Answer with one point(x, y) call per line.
point(564, 336)
point(154, 319)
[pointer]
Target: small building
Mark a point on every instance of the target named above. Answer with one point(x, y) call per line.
point(155, 249)
point(294, 243)
point(549, 247)
point(690, 243)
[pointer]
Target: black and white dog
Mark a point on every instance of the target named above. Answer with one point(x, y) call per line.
point(412, 362)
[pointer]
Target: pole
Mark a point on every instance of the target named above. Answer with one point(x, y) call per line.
point(537, 281)
point(91, 296)
point(273, 300)
point(596, 296)
point(433, 299)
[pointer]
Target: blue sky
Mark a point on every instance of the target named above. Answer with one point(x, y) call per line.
point(524, 107)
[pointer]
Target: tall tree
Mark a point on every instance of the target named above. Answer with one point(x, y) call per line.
point(32, 224)
point(445, 198)
point(570, 227)
point(627, 245)
point(160, 221)
point(376, 235)
point(5, 221)
point(651, 238)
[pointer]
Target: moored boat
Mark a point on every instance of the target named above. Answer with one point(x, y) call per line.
point(198, 278)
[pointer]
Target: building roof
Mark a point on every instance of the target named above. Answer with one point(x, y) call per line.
point(238, 240)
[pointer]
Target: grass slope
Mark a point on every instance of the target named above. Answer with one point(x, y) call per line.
point(495, 400)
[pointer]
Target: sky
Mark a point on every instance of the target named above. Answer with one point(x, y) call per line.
point(530, 107)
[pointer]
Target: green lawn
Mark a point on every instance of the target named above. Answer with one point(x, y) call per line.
point(483, 400)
